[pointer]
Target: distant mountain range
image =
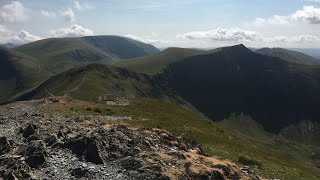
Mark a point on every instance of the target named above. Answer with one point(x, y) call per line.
point(9, 45)
point(314, 52)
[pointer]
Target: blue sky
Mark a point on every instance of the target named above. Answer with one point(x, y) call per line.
point(184, 23)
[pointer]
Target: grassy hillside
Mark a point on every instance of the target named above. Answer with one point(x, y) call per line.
point(60, 54)
point(290, 56)
point(273, 158)
point(156, 63)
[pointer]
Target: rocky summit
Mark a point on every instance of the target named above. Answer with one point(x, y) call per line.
point(36, 143)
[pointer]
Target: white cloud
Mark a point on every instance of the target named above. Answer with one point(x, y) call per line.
point(68, 15)
point(48, 14)
point(150, 39)
point(72, 31)
point(81, 7)
point(305, 38)
point(22, 37)
point(231, 35)
point(13, 12)
point(308, 14)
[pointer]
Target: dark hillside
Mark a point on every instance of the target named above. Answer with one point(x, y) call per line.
point(274, 92)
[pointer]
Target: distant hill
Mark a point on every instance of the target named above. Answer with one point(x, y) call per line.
point(272, 91)
point(156, 63)
point(9, 45)
point(60, 54)
point(290, 56)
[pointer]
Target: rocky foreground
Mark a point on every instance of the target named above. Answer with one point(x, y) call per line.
point(36, 144)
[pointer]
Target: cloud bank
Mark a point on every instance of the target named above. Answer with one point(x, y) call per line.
point(21, 37)
point(308, 14)
point(72, 31)
point(237, 35)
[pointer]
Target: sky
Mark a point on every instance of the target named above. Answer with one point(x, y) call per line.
point(167, 23)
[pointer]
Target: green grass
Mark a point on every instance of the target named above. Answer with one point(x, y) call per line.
point(268, 157)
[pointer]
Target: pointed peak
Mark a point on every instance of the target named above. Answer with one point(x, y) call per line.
point(237, 48)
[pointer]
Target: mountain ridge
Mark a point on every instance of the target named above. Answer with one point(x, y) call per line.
point(235, 79)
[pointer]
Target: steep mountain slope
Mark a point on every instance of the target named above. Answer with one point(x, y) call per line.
point(156, 63)
point(234, 80)
point(18, 72)
point(60, 54)
point(290, 56)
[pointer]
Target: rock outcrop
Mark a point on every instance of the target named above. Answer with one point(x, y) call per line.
point(37, 145)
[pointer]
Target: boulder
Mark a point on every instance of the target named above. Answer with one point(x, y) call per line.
point(86, 147)
point(36, 154)
point(79, 172)
point(31, 129)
